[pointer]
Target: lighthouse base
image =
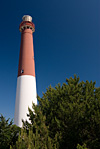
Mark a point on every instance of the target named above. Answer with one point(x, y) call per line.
point(25, 95)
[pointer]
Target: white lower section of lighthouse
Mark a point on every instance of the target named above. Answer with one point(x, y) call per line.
point(25, 95)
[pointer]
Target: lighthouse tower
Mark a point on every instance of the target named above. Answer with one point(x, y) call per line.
point(26, 81)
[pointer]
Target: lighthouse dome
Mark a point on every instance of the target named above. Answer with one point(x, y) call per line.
point(27, 18)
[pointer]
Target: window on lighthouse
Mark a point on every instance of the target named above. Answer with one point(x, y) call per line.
point(22, 71)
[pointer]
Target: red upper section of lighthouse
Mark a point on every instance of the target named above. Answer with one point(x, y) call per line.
point(26, 59)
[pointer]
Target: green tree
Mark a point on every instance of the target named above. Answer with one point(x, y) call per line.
point(35, 135)
point(8, 133)
point(82, 147)
point(71, 112)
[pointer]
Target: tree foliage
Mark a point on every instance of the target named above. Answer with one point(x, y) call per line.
point(81, 146)
point(70, 112)
point(8, 133)
point(35, 135)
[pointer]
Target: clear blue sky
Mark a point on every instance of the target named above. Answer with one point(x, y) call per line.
point(66, 42)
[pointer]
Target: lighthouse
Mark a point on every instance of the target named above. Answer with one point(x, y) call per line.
point(26, 81)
